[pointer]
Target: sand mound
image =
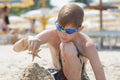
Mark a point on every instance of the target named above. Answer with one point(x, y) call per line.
point(36, 72)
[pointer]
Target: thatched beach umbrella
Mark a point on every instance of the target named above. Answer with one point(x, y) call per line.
point(101, 7)
point(16, 3)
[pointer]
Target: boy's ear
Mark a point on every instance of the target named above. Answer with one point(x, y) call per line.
point(81, 28)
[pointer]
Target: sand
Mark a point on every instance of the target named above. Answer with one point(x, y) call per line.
point(12, 64)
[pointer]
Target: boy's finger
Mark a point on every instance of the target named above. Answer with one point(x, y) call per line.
point(35, 52)
point(29, 45)
point(35, 47)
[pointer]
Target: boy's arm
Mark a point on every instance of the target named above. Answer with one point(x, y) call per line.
point(46, 35)
point(33, 43)
point(92, 55)
point(20, 45)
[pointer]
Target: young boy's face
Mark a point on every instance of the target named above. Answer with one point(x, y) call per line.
point(67, 33)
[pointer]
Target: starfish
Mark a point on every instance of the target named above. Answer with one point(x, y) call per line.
point(34, 55)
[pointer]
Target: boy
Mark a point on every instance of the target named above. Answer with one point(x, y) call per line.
point(69, 47)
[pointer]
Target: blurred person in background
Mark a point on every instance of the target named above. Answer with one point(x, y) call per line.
point(5, 22)
point(5, 19)
point(32, 29)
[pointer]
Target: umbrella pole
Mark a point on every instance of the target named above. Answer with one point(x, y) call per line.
point(43, 3)
point(101, 23)
point(43, 20)
point(101, 20)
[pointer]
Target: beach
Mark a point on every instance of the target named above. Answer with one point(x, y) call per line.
point(12, 64)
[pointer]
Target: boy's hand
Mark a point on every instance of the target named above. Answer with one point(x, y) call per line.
point(30, 43)
point(33, 45)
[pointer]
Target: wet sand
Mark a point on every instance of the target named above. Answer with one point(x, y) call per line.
point(12, 64)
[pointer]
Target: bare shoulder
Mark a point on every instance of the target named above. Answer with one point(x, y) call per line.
point(88, 41)
point(89, 46)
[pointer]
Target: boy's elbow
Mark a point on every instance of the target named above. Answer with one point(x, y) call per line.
point(16, 49)
point(20, 45)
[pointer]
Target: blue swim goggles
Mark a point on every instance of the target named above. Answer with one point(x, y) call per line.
point(68, 31)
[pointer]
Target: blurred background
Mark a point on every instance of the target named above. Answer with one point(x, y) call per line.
point(23, 17)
